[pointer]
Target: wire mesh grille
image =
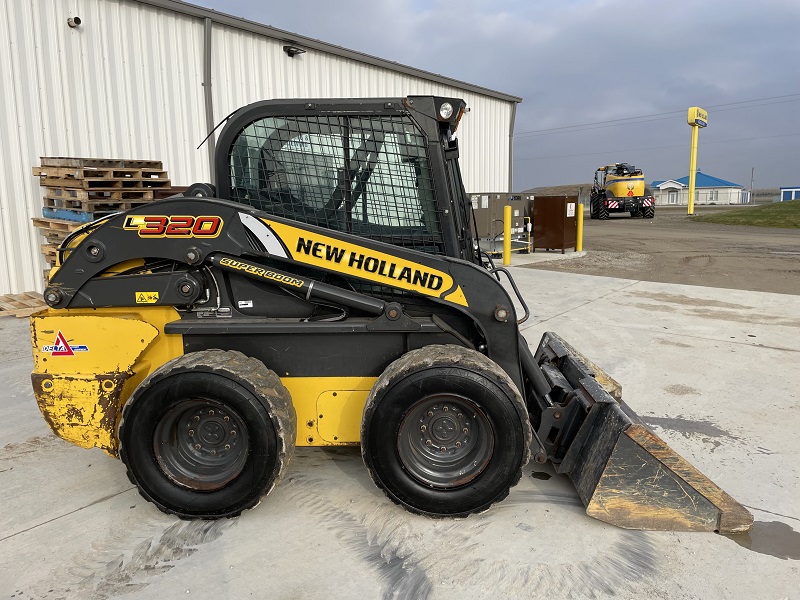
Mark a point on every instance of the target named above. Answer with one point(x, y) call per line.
point(369, 176)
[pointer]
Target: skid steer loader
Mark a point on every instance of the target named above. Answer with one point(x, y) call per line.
point(328, 291)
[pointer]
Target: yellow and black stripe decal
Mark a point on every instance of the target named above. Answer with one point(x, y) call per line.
point(365, 263)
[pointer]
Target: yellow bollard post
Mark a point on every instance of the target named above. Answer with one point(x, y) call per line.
point(507, 235)
point(579, 235)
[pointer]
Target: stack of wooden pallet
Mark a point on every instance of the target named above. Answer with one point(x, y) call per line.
point(84, 189)
point(80, 190)
point(21, 305)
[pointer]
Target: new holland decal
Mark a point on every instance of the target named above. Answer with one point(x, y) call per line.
point(330, 253)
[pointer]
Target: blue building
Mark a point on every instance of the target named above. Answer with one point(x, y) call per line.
point(707, 190)
point(790, 193)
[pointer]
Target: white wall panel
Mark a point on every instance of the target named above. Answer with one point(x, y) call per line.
point(248, 67)
point(127, 83)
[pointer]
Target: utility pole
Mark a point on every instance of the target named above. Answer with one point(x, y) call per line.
point(752, 198)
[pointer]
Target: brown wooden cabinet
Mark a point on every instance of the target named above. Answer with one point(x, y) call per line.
point(555, 223)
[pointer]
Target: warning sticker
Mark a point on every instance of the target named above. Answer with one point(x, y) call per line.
point(146, 297)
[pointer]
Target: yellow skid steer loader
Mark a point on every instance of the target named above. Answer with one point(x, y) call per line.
point(330, 290)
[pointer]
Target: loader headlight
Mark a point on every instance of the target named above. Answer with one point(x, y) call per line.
point(446, 110)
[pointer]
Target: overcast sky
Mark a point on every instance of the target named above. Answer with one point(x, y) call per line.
point(585, 62)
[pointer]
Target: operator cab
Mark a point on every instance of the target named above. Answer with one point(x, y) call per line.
point(382, 169)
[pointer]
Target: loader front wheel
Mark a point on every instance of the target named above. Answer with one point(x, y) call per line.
point(445, 432)
point(208, 434)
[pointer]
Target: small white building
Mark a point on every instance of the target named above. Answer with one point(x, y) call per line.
point(707, 190)
point(790, 193)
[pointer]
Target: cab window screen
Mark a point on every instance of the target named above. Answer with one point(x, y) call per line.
point(365, 175)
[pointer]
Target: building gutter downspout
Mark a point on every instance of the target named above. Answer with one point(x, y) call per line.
point(511, 148)
point(208, 97)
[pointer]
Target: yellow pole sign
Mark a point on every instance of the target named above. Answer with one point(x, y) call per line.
point(697, 118)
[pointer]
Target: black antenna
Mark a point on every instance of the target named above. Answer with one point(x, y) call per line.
point(210, 133)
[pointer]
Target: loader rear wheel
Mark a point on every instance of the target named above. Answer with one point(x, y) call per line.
point(602, 211)
point(445, 432)
point(649, 212)
point(208, 434)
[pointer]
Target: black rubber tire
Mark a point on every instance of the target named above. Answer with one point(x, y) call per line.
point(635, 213)
point(602, 211)
point(649, 212)
point(156, 437)
point(440, 377)
point(593, 208)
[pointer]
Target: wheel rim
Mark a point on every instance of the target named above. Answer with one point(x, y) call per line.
point(201, 444)
point(445, 441)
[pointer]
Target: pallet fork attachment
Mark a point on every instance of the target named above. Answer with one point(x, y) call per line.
point(624, 473)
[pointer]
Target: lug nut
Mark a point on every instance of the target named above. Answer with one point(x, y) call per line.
point(191, 432)
point(428, 442)
point(197, 446)
point(423, 428)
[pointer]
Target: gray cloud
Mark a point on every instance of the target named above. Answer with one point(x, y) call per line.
point(577, 62)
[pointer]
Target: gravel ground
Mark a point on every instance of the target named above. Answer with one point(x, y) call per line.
point(672, 248)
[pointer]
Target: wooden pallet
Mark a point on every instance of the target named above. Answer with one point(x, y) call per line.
point(94, 173)
point(99, 163)
point(95, 196)
point(56, 225)
point(104, 183)
point(114, 200)
point(55, 231)
point(21, 305)
point(81, 216)
point(49, 252)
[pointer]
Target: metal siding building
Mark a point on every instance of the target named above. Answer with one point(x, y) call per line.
point(131, 82)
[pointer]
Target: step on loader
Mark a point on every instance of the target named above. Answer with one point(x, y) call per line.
point(329, 290)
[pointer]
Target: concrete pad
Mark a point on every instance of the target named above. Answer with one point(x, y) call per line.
point(715, 372)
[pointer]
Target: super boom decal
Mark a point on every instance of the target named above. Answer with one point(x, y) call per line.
point(351, 259)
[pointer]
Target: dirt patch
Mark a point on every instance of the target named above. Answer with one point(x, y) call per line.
point(673, 248)
point(681, 390)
